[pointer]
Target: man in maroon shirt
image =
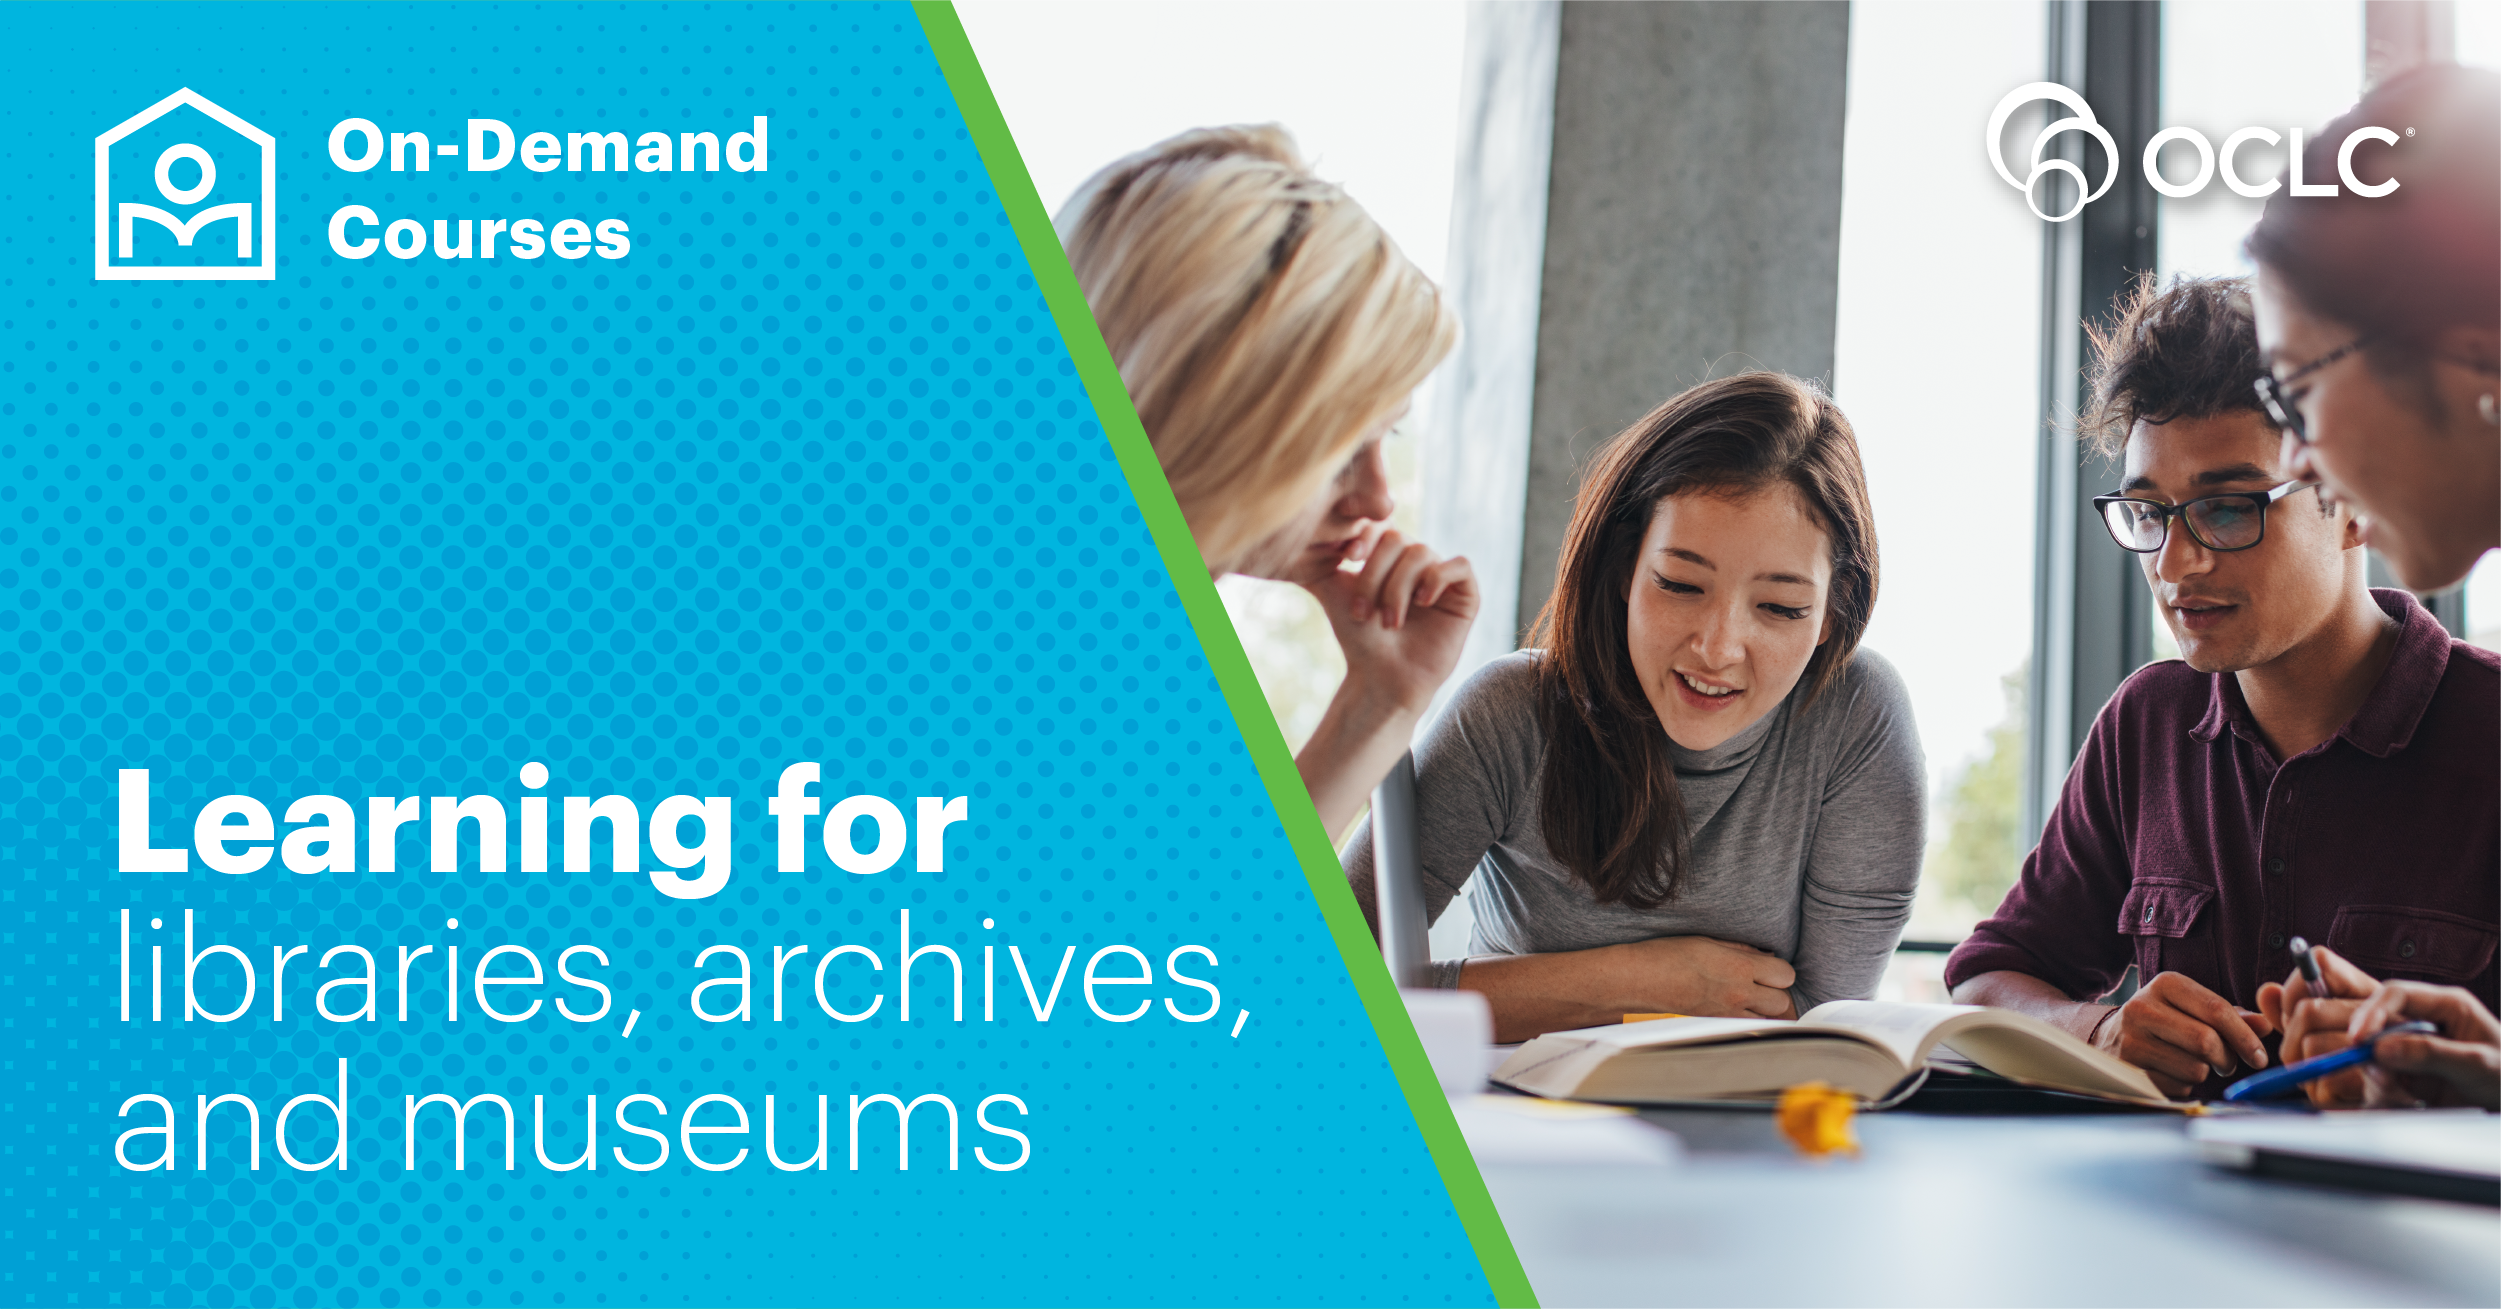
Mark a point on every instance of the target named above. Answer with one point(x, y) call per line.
point(2324, 761)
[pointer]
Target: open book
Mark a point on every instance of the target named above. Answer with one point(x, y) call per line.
point(1869, 1048)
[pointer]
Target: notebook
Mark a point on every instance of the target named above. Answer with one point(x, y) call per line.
point(2446, 1154)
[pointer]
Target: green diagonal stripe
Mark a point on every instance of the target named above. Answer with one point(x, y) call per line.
point(1058, 283)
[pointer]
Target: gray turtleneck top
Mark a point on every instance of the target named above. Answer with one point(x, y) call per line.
point(1806, 832)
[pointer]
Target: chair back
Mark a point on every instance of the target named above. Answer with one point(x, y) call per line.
point(1398, 876)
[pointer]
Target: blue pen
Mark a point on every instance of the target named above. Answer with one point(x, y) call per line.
point(2278, 1081)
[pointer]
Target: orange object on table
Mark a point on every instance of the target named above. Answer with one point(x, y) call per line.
point(1815, 1116)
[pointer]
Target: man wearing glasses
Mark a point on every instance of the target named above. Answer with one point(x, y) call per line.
point(2323, 761)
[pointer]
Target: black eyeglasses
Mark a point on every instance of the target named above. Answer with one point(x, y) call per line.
point(2276, 393)
point(2221, 523)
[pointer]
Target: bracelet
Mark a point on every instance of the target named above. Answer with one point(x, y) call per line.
point(2092, 1037)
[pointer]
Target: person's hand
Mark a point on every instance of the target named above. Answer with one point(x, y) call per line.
point(2460, 1066)
point(2179, 1032)
point(1702, 977)
point(2314, 1020)
point(1401, 619)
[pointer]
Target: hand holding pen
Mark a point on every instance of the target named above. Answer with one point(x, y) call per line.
point(2457, 1062)
point(2314, 1008)
point(2431, 1045)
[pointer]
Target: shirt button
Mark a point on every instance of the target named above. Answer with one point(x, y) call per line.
point(2405, 949)
point(2275, 865)
point(2276, 941)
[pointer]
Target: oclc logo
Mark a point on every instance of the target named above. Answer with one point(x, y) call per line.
point(2083, 122)
point(2209, 160)
point(143, 241)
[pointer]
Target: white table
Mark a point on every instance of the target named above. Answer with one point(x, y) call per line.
point(1970, 1210)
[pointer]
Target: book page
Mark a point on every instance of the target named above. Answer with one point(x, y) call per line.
point(1661, 1032)
point(2024, 1048)
point(1907, 1030)
point(1558, 1063)
point(1904, 1031)
point(2007, 1043)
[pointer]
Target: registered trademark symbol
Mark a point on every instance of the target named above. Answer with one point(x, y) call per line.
point(2409, 131)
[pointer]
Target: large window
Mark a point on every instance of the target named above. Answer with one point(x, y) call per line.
point(1940, 343)
point(2304, 66)
point(2299, 73)
point(1936, 361)
point(2221, 73)
point(1370, 91)
point(1945, 380)
point(2479, 44)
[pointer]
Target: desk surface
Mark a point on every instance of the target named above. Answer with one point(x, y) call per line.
point(1956, 1210)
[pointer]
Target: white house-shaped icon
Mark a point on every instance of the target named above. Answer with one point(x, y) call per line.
point(118, 221)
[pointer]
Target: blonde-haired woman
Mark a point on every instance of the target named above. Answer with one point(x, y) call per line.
point(1270, 334)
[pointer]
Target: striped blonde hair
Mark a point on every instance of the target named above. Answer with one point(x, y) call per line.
point(1262, 321)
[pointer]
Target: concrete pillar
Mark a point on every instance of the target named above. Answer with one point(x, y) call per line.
point(1691, 227)
point(1475, 466)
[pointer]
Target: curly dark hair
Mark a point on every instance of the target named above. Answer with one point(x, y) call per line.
point(2188, 350)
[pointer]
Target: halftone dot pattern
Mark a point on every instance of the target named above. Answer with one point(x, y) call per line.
point(805, 476)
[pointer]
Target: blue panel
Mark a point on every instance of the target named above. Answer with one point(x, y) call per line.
point(803, 476)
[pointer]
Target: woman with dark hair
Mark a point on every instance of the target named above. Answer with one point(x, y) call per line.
point(1700, 796)
point(2380, 316)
